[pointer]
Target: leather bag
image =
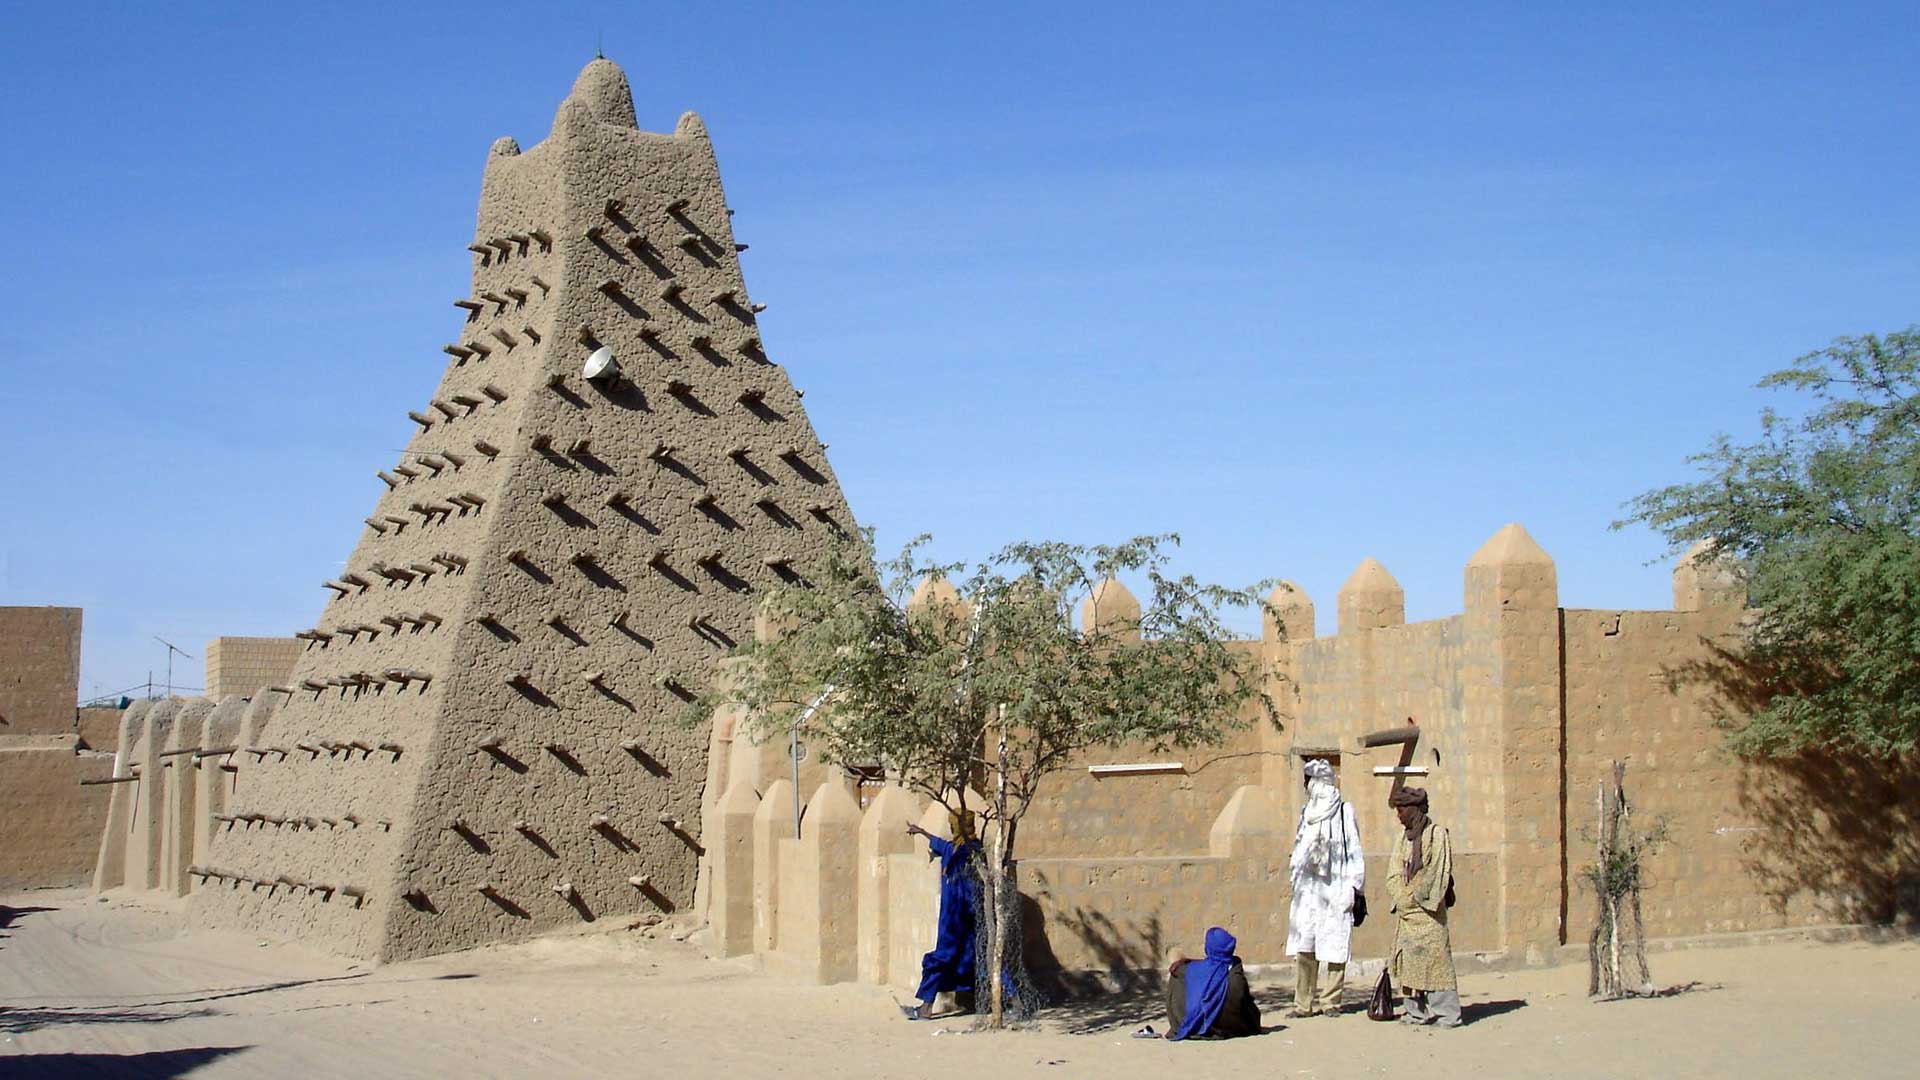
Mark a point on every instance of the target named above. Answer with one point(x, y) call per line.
point(1380, 1006)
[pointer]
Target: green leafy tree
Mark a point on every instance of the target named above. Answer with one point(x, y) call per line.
point(1822, 517)
point(974, 699)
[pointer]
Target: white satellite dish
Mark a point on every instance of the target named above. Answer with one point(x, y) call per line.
point(601, 365)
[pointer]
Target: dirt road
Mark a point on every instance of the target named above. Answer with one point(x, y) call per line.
point(118, 988)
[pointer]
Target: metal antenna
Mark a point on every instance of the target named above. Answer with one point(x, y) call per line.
point(171, 649)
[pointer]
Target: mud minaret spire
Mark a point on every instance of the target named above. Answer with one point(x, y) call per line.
point(477, 739)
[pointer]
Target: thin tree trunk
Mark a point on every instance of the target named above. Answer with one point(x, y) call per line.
point(1639, 940)
point(1613, 898)
point(997, 937)
point(1593, 961)
point(1603, 978)
point(1640, 947)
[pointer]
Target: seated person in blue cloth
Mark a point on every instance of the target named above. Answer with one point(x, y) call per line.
point(949, 967)
point(1209, 998)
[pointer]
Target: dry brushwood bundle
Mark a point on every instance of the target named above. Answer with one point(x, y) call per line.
point(1617, 878)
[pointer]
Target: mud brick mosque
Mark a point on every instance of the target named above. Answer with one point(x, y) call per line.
point(475, 741)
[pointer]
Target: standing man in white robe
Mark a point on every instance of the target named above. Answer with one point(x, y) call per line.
point(1328, 870)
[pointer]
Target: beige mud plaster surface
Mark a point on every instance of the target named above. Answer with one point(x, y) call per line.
point(50, 825)
point(645, 514)
point(117, 986)
point(39, 669)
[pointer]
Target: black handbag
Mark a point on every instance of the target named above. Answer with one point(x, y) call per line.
point(1359, 907)
point(1380, 1006)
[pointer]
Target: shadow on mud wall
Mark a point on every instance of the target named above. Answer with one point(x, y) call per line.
point(1838, 831)
point(1126, 961)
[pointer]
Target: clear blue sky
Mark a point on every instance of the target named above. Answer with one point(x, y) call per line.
point(1302, 285)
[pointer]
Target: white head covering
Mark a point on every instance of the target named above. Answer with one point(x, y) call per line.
point(1323, 795)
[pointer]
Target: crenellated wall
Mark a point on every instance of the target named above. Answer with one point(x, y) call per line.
point(855, 899)
point(1519, 706)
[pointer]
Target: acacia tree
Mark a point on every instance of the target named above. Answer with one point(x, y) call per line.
point(1822, 516)
point(975, 700)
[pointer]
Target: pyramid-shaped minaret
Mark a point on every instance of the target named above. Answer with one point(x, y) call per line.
point(479, 740)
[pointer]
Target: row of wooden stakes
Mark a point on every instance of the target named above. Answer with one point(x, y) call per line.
point(325, 889)
point(391, 624)
point(520, 243)
point(563, 889)
point(600, 823)
point(329, 747)
point(401, 677)
point(445, 562)
point(502, 299)
point(425, 463)
point(457, 406)
point(351, 821)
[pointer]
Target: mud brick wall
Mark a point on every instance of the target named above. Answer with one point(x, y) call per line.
point(99, 729)
point(39, 670)
point(1372, 679)
point(51, 822)
point(241, 665)
point(1119, 916)
point(1818, 839)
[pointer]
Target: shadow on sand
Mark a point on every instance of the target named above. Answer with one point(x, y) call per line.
point(152, 1065)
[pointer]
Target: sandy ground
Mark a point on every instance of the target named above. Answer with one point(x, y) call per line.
point(118, 988)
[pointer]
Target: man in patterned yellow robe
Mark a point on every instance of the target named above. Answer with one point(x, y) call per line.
point(1419, 877)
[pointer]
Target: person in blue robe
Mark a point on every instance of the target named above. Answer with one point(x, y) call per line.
point(949, 968)
point(1209, 998)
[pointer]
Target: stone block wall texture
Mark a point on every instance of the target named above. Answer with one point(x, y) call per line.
point(237, 666)
point(1354, 684)
point(1512, 611)
point(552, 568)
point(1077, 813)
point(39, 670)
point(1817, 839)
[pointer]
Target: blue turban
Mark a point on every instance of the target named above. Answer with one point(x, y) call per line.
point(1207, 985)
